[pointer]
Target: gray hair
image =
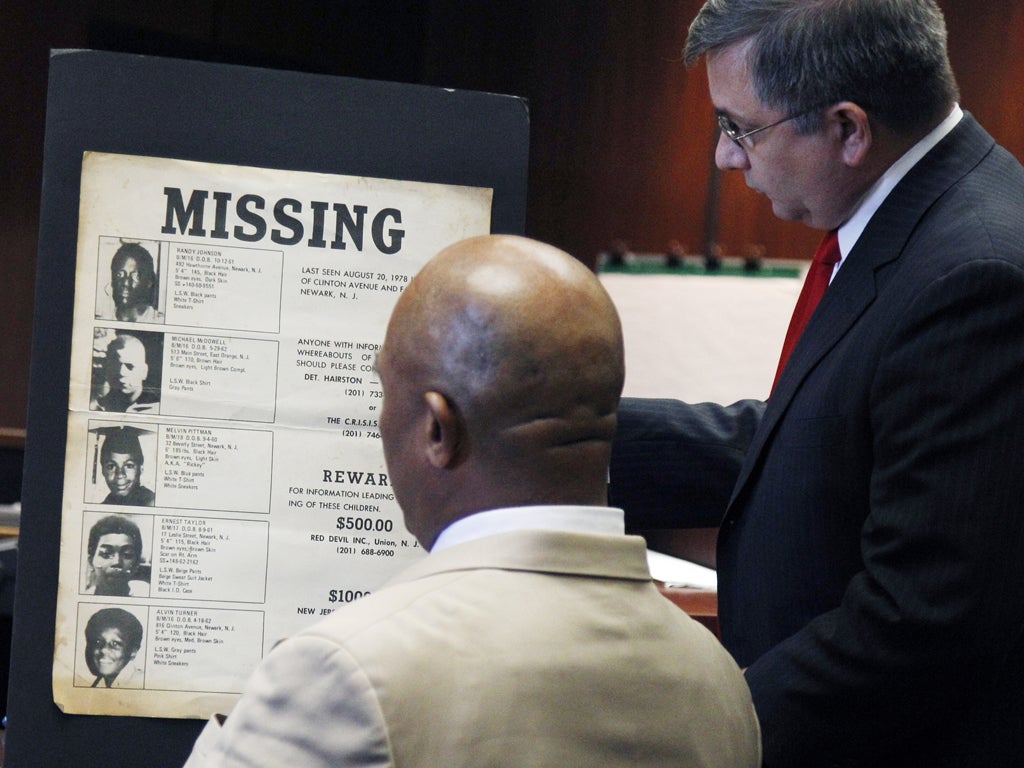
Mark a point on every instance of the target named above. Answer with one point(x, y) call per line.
point(887, 56)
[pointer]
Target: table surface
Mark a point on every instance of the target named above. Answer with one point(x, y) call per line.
point(699, 604)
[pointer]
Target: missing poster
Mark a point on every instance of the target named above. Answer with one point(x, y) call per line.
point(224, 482)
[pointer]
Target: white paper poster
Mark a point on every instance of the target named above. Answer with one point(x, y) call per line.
point(224, 483)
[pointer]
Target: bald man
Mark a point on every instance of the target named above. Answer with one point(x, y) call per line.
point(532, 634)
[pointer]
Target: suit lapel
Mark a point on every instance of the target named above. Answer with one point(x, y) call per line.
point(855, 286)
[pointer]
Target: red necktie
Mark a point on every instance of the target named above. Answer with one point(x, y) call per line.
point(818, 275)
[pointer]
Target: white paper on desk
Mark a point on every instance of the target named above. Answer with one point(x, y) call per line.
point(675, 572)
point(10, 514)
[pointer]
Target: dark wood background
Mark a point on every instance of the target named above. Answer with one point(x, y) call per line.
point(622, 134)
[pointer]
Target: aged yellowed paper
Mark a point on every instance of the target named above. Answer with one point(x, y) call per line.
point(224, 484)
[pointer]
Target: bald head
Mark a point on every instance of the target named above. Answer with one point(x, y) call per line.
point(502, 369)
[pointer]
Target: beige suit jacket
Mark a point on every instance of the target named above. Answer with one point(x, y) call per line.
point(531, 648)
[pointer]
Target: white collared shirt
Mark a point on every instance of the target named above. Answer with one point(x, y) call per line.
point(607, 521)
point(854, 227)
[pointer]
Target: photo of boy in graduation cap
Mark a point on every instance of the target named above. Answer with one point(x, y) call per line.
point(118, 457)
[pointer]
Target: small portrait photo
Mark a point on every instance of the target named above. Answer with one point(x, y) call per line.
point(118, 472)
point(111, 647)
point(126, 370)
point(117, 554)
point(128, 280)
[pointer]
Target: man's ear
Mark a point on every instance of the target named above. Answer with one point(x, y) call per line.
point(853, 128)
point(445, 430)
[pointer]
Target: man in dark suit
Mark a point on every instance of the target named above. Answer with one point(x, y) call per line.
point(871, 548)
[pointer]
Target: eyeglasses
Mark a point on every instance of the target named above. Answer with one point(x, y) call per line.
point(730, 129)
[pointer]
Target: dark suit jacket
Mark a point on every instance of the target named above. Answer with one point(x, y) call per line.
point(871, 554)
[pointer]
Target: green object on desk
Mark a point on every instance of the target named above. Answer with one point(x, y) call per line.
point(658, 267)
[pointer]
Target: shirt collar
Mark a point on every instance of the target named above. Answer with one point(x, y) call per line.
point(851, 231)
point(607, 521)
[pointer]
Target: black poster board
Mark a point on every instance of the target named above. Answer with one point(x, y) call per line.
point(221, 114)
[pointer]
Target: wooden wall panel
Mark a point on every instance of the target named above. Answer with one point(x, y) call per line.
point(645, 122)
point(986, 44)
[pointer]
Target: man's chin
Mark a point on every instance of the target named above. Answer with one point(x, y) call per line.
point(786, 214)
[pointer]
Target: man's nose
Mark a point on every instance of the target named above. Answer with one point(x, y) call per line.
point(729, 156)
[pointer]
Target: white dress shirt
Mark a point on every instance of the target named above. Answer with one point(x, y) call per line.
point(606, 521)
